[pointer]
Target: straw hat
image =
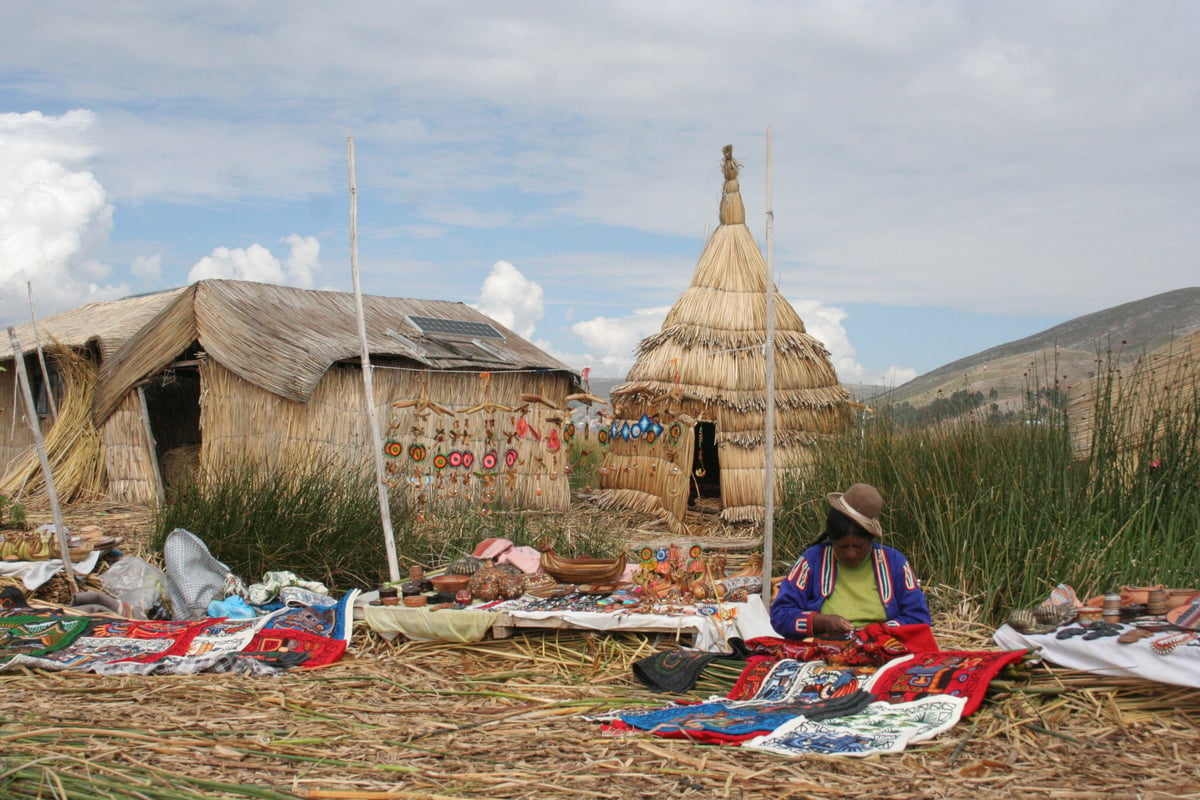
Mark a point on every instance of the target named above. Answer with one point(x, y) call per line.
point(861, 503)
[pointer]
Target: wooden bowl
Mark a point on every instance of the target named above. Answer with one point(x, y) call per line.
point(450, 583)
point(415, 600)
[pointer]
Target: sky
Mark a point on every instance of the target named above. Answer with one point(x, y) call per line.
point(945, 176)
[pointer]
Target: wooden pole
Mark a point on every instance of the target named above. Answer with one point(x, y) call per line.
point(37, 340)
point(60, 528)
point(769, 419)
point(159, 490)
point(385, 510)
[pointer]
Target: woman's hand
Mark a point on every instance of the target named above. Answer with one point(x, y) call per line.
point(831, 623)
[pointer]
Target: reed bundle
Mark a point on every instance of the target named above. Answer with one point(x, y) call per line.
point(73, 445)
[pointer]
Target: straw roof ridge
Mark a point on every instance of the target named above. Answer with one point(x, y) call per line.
point(284, 339)
point(691, 338)
point(749, 400)
point(107, 324)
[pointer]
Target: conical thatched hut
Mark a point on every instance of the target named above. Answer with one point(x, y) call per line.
point(690, 418)
point(222, 372)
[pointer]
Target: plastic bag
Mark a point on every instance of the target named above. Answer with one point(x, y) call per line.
point(138, 583)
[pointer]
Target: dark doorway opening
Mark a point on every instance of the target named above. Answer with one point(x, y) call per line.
point(706, 467)
point(173, 405)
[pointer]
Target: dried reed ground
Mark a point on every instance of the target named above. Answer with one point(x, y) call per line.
point(504, 720)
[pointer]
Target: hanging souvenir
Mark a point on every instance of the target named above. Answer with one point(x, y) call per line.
point(675, 431)
point(568, 432)
point(644, 422)
point(625, 431)
point(510, 458)
point(553, 443)
point(655, 428)
point(440, 461)
point(489, 460)
point(650, 436)
point(602, 436)
point(468, 458)
point(393, 449)
point(635, 431)
point(454, 459)
point(417, 452)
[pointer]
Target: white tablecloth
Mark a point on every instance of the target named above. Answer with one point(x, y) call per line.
point(1107, 656)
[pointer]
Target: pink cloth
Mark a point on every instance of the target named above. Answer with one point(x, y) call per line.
point(492, 548)
point(526, 559)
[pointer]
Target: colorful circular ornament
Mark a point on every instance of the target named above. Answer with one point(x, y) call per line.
point(468, 458)
point(695, 551)
point(553, 443)
point(489, 460)
point(417, 452)
point(440, 461)
point(393, 449)
point(568, 432)
point(650, 437)
point(454, 459)
point(510, 458)
point(602, 436)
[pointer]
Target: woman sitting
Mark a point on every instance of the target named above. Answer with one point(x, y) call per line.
point(847, 578)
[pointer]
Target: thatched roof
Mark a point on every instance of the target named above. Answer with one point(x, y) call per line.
point(710, 348)
point(279, 338)
point(105, 325)
point(1136, 402)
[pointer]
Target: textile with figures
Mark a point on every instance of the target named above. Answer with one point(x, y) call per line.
point(787, 689)
point(960, 673)
point(30, 635)
point(306, 636)
point(879, 728)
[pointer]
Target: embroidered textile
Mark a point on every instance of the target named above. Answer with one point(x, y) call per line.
point(32, 635)
point(961, 673)
point(879, 728)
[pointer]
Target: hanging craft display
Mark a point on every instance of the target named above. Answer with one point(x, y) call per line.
point(568, 432)
point(626, 431)
point(675, 431)
point(440, 461)
point(650, 437)
point(393, 449)
point(489, 460)
point(417, 452)
point(553, 443)
point(454, 459)
point(602, 436)
point(510, 458)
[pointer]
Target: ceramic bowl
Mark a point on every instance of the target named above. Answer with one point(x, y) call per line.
point(450, 583)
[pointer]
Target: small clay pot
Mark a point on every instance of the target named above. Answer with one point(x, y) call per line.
point(451, 583)
point(463, 596)
point(1090, 613)
point(388, 591)
point(415, 601)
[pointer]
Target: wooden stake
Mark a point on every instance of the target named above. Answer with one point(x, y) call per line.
point(385, 511)
point(37, 340)
point(60, 528)
point(769, 411)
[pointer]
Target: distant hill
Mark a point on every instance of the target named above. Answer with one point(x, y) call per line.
point(1067, 352)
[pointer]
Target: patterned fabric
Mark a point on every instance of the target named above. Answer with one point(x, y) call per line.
point(302, 636)
point(874, 645)
point(812, 578)
point(879, 728)
point(31, 635)
point(960, 673)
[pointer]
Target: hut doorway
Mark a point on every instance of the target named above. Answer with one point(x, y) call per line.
point(173, 406)
point(706, 466)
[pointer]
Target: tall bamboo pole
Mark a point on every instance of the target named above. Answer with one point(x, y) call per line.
point(60, 528)
point(385, 510)
point(769, 432)
point(37, 340)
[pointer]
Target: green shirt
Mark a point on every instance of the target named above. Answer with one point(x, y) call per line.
point(855, 595)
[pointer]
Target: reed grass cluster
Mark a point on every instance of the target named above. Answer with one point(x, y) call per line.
point(1000, 514)
point(321, 521)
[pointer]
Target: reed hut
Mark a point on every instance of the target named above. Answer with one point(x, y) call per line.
point(1129, 412)
point(226, 372)
point(690, 418)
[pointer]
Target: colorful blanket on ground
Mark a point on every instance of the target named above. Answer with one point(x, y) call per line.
point(31, 635)
point(307, 636)
point(960, 673)
point(879, 728)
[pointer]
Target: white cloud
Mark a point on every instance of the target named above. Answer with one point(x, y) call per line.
point(54, 215)
point(612, 340)
point(148, 268)
point(511, 299)
point(256, 263)
point(825, 324)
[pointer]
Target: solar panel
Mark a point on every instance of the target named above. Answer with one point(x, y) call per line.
point(456, 327)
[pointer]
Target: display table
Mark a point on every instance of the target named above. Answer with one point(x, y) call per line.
point(709, 631)
point(1106, 656)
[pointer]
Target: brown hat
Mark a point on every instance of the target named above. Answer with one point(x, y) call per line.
point(861, 503)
